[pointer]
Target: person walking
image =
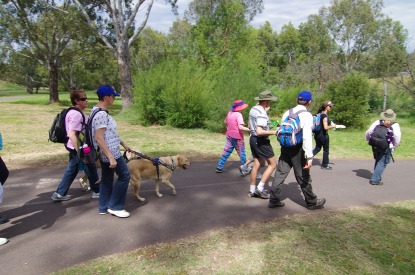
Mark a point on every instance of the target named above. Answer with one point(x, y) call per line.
point(384, 136)
point(4, 174)
point(234, 136)
point(299, 157)
point(74, 120)
point(106, 138)
point(261, 148)
point(321, 137)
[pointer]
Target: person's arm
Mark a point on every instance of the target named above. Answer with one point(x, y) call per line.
point(370, 130)
point(396, 135)
point(73, 137)
point(243, 128)
point(307, 138)
point(99, 136)
point(261, 132)
point(127, 148)
point(326, 124)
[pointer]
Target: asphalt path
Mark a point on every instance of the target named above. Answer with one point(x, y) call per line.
point(46, 236)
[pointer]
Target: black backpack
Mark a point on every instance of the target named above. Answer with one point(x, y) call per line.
point(381, 137)
point(57, 132)
point(85, 139)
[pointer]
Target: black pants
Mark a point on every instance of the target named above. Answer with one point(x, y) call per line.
point(4, 172)
point(292, 158)
point(322, 141)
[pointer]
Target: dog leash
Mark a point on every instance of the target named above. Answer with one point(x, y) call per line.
point(155, 161)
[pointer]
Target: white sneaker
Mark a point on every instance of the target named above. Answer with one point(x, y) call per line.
point(3, 241)
point(119, 213)
point(94, 196)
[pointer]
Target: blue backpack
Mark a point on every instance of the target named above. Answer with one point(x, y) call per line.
point(316, 123)
point(290, 133)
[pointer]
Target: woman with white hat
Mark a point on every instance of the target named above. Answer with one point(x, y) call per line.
point(384, 136)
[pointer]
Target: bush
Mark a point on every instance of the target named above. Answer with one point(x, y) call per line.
point(351, 98)
point(174, 93)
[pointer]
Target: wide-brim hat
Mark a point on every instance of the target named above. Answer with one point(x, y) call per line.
point(239, 105)
point(266, 95)
point(389, 114)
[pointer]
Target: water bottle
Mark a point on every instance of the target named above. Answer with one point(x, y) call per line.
point(88, 157)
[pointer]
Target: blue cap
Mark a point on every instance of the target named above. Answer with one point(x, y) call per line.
point(106, 90)
point(305, 96)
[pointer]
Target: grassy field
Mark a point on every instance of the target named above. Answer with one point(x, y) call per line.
point(364, 240)
point(26, 119)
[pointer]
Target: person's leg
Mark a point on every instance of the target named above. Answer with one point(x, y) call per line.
point(119, 192)
point(319, 144)
point(281, 173)
point(105, 188)
point(381, 164)
point(326, 143)
point(272, 164)
point(92, 173)
point(227, 151)
point(4, 172)
point(253, 176)
point(69, 175)
point(240, 149)
point(303, 176)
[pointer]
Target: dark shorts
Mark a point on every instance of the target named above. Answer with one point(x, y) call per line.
point(261, 147)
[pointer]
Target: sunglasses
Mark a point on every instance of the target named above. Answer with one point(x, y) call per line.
point(83, 99)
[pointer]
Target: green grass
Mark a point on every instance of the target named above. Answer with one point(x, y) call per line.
point(25, 123)
point(362, 240)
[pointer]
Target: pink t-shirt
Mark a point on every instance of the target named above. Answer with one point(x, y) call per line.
point(73, 121)
point(233, 120)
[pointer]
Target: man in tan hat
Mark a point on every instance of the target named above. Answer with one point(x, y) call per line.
point(261, 148)
point(384, 136)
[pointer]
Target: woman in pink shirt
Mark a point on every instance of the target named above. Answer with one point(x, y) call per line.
point(234, 134)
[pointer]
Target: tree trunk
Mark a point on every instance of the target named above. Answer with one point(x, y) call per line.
point(53, 82)
point(124, 65)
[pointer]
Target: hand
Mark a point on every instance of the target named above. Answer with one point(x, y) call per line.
point(308, 164)
point(113, 163)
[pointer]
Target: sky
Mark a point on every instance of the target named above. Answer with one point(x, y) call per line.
point(281, 12)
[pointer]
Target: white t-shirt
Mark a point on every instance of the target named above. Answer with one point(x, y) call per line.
point(103, 120)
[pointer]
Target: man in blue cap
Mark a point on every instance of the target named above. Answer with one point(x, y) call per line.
point(299, 157)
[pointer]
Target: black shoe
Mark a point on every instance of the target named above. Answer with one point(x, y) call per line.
point(3, 219)
point(375, 182)
point(326, 167)
point(319, 204)
point(275, 205)
point(261, 194)
point(219, 170)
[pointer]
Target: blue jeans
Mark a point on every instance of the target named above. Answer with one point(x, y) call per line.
point(382, 159)
point(112, 196)
point(72, 171)
point(230, 145)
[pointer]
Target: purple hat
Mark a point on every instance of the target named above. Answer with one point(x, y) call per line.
point(305, 96)
point(238, 105)
point(106, 90)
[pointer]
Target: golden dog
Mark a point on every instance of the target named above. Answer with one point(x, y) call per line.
point(145, 169)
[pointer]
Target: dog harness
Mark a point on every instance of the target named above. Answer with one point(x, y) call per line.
point(156, 161)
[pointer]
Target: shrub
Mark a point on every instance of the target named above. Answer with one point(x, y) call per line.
point(351, 98)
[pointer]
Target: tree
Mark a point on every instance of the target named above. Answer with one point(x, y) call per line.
point(353, 25)
point(114, 22)
point(37, 31)
point(220, 29)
